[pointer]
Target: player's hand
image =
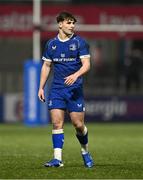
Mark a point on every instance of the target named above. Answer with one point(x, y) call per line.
point(69, 80)
point(41, 95)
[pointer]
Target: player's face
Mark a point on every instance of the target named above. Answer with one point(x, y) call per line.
point(67, 26)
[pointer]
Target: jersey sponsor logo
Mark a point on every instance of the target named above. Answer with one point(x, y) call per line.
point(73, 47)
point(64, 59)
point(54, 47)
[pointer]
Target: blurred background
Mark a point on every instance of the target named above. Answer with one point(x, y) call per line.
point(113, 87)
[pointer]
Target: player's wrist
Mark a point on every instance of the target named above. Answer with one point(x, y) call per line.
point(41, 88)
point(77, 74)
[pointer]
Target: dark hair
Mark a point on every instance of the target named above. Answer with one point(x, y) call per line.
point(65, 16)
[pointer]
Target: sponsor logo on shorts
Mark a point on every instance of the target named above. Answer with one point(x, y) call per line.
point(79, 105)
point(50, 103)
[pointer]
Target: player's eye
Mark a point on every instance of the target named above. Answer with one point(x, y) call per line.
point(70, 22)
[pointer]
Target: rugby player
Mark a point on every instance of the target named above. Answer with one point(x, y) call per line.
point(69, 56)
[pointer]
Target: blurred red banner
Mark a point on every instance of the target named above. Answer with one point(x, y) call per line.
point(16, 20)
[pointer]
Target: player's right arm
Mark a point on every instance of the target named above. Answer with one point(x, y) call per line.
point(45, 70)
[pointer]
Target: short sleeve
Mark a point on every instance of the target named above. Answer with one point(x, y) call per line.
point(83, 49)
point(47, 53)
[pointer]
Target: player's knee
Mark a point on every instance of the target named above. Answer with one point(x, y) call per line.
point(78, 126)
point(57, 125)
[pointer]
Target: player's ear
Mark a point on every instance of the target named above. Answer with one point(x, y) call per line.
point(60, 24)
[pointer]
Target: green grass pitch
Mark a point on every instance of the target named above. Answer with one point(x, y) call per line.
point(116, 148)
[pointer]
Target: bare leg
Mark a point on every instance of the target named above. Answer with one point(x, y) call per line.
point(77, 119)
point(57, 117)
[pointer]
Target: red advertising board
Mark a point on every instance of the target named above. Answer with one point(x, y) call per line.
point(16, 20)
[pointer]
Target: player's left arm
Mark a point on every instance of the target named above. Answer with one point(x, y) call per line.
point(69, 80)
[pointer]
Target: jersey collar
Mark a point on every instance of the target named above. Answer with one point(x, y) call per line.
point(64, 39)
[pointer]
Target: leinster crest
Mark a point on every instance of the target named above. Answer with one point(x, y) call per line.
point(72, 47)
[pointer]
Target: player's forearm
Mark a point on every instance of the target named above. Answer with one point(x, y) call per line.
point(84, 69)
point(44, 76)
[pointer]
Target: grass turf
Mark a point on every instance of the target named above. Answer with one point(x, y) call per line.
point(116, 148)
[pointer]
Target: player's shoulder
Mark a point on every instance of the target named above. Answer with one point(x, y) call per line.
point(81, 41)
point(78, 37)
point(51, 41)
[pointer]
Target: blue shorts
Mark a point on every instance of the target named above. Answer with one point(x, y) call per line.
point(70, 99)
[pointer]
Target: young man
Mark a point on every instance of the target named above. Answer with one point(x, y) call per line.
point(70, 57)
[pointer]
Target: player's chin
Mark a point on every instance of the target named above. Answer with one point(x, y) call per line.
point(70, 33)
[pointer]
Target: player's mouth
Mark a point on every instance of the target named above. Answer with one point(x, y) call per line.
point(71, 30)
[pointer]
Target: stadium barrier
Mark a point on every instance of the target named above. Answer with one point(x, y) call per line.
point(114, 109)
point(98, 109)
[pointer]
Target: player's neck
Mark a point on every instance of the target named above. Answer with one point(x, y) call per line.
point(64, 37)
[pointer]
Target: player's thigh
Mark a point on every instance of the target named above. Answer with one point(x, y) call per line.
point(57, 116)
point(77, 118)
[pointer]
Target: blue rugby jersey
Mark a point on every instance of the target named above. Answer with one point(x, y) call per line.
point(65, 56)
